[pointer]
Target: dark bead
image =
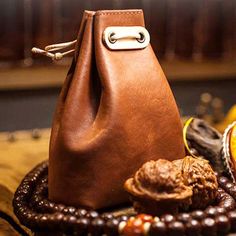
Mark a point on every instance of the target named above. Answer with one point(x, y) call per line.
point(60, 207)
point(33, 179)
point(220, 196)
point(111, 228)
point(223, 181)
point(37, 172)
point(65, 211)
point(36, 199)
point(25, 213)
point(123, 218)
point(43, 192)
point(158, 228)
point(229, 185)
point(92, 214)
point(220, 190)
point(38, 193)
point(51, 206)
point(232, 219)
point(17, 204)
point(209, 227)
point(167, 218)
point(46, 206)
point(18, 199)
point(40, 189)
point(220, 210)
point(232, 191)
point(71, 219)
point(36, 217)
point(82, 225)
point(211, 211)
point(23, 192)
point(40, 204)
point(29, 215)
point(20, 210)
point(223, 224)
point(198, 214)
point(176, 228)
point(58, 217)
point(183, 217)
point(193, 228)
point(97, 227)
point(71, 210)
point(55, 208)
point(228, 202)
point(107, 216)
point(44, 180)
point(80, 212)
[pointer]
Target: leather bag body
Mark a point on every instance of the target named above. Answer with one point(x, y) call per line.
point(115, 112)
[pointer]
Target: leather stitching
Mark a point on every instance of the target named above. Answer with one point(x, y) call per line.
point(119, 13)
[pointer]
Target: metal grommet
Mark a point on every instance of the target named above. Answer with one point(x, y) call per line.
point(142, 37)
point(125, 38)
point(111, 40)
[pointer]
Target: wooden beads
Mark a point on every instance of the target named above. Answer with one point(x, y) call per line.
point(36, 211)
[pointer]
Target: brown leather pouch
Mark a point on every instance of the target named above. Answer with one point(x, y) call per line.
point(115, 112)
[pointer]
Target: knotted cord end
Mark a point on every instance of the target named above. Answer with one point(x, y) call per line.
point(55, 47)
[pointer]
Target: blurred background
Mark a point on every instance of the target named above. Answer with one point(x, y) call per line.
point(195, 42)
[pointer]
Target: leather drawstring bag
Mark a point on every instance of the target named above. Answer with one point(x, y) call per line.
point(115, 112)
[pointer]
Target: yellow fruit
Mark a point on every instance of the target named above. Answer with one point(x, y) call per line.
point(232, 143)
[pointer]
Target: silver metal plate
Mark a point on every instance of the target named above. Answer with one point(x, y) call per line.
point(126, 37)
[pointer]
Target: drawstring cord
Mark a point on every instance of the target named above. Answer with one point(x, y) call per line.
point(51, 50)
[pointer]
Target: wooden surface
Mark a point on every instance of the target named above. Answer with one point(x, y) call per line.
point(17, 158)
point(32, 77)
point(6, 229)
point(54, 75)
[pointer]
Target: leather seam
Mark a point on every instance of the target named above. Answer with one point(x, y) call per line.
point(119, 13)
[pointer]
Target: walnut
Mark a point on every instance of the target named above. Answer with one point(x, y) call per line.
point(158, 187)
point(198, 174)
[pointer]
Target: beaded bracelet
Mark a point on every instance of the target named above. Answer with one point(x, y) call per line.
point(37, 212)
